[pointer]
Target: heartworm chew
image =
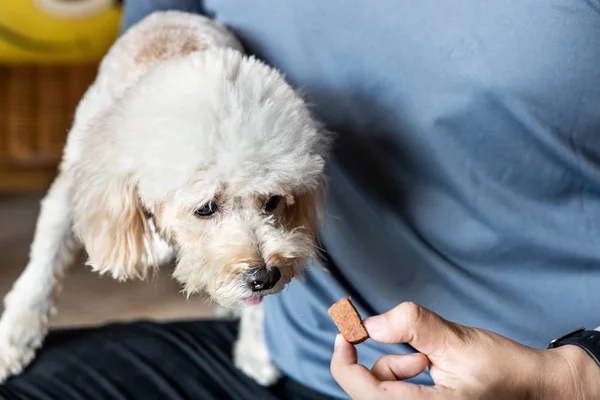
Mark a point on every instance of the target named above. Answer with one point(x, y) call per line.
point(348, 321)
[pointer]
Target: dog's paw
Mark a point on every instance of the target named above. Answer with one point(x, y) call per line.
point(255, 363)
point(13, 359)
point(21, 334)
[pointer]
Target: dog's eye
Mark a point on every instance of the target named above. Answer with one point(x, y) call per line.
point(206, 210)
point(272, 203)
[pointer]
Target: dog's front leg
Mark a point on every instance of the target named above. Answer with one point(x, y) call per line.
point(28, 305)
point(250, 353)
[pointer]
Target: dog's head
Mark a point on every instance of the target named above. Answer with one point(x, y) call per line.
point(220, 157)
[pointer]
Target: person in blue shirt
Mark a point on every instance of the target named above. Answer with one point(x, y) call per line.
point(463, 212)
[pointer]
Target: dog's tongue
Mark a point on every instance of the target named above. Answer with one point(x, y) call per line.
point(253, 300)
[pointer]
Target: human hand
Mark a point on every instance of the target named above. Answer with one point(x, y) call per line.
point(464, 363)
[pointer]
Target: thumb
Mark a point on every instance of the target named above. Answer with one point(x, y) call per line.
point(421, 328)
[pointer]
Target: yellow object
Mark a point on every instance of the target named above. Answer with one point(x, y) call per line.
point(57, 31)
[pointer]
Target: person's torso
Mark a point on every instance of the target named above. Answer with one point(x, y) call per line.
point(466, 175)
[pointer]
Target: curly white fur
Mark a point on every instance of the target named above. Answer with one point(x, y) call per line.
point(177, 118)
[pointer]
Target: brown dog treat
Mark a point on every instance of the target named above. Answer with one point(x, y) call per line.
point(348, 321)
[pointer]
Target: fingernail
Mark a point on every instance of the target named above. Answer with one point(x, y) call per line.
point(375, 324)
point(338, 340)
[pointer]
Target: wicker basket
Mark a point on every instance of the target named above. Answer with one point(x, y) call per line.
point(37, 104)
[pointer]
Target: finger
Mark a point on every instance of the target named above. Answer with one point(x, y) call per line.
point(421, 328)
point(344, 353)
point(344, 364)
point(359, 383)
point(394, 367)
point(354, 378)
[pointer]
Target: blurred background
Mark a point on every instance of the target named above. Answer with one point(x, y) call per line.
point(49, 52)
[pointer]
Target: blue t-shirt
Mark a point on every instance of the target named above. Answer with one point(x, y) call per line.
point(466, 175)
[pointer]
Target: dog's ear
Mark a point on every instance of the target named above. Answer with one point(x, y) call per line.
point(306, 211)
point(110, 221)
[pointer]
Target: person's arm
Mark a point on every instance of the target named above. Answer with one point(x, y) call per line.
point(464, 362)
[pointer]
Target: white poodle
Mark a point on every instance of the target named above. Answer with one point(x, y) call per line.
point(183, 148)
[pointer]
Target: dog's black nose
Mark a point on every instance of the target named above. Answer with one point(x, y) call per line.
point(263, 278)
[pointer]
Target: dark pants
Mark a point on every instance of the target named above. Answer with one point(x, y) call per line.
point(181, 360)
